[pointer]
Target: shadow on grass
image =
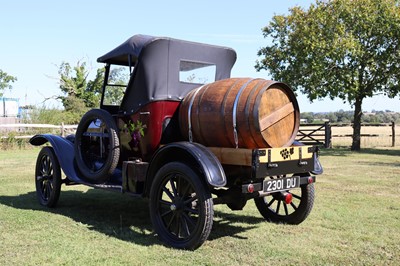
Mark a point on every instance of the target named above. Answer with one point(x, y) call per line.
point(228, 224)
point(381, 151)
point(345, 151)
point(339, 151)
point(120, 216)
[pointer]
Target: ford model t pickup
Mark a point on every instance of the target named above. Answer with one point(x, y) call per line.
point(179, 131)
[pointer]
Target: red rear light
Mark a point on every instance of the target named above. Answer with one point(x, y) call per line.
point(288, 198)
point(250, 188)
point(310, 180)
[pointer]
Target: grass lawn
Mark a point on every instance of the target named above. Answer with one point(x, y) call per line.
point(355, 220)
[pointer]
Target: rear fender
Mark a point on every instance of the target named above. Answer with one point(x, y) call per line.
point(188, 152)
point(65, 152)
point(318, 170)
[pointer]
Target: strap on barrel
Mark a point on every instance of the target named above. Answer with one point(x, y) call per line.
point(234, 113)
point(190, 113)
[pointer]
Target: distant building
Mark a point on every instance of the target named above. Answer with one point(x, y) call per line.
point(368, 113)
point(9, 110)
point(321, 120)
point(9, 107)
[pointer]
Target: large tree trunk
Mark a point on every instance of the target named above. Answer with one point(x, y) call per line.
point(356, 145)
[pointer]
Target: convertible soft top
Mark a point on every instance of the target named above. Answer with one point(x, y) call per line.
point(157, 64)
point(127, 52)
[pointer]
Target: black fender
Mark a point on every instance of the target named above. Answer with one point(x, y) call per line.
point(192, 153)
point(318, 170)
point(65, 152)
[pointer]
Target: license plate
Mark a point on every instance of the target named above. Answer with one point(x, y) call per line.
point(287, 183)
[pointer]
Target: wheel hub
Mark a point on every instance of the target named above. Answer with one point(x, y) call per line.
point(43, 178)
point(177, 204)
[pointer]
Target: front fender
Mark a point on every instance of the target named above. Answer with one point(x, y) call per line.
point(188, 152)
point(65, 152)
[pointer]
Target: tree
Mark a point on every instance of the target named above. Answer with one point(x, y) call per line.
point(79, 90)
point(83, 93)
point(5, 81)
point(331, 117)
point(337, 48)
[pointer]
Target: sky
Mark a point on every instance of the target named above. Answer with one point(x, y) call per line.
point(37, 36)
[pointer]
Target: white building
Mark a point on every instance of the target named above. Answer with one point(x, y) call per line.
point(9, 107)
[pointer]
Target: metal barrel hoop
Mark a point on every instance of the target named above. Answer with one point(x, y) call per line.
point(234, 113)
point(190, 113)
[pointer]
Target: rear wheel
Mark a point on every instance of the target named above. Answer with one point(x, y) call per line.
point(47, 177)
point(276, 208)
point(181, 206)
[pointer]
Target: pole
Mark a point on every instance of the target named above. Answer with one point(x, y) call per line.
point(62, 129)
point(393, 134)
point(328, 135)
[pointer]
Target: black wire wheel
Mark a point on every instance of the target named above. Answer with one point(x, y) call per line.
point(181, 206)
point(289, 207)
point(47, 177)
point(96, 143)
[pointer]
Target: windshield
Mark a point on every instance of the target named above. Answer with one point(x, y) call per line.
point(117, 82)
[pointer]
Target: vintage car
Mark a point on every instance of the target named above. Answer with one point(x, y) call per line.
point(173, 127)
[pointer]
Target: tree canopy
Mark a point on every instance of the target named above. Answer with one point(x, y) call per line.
point(79, 90)
point(346, 117)
point(337, 48)
point(81, 93)
point(5, 81)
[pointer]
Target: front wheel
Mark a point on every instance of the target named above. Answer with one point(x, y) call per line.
point(275, 208)
point(47, 177)
point(181, 206)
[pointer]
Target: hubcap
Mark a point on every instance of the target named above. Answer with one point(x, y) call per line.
point(177, 204)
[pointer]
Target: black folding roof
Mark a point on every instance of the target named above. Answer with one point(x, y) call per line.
point(157, 62)
point(130, 48)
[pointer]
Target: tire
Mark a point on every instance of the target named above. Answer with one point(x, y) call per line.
point(274, 209)
point(97, 148)
point(181, 206)
point(47, 178)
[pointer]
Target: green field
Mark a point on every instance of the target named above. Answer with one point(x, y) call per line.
point(355, 220)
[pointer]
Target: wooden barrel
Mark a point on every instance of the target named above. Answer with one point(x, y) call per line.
point(241, 113)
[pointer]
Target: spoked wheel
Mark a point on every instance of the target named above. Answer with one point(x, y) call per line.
point(181, 206)
point(290, 207)
point(47, 177)
point(97, 145)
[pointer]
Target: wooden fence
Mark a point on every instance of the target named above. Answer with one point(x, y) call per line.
point(21, 128)
point(311, 134)
point(315, 134)
point(321, 134)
